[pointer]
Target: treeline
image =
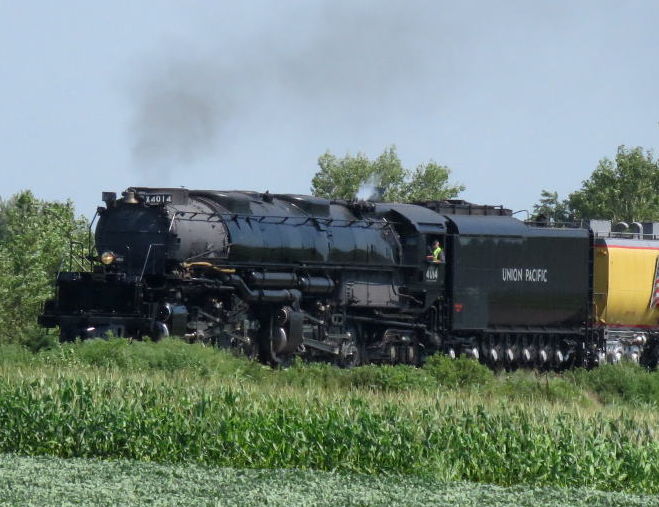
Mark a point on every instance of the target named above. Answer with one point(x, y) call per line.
point(623, 188)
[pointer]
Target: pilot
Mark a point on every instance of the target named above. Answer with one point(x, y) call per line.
point(437, 255)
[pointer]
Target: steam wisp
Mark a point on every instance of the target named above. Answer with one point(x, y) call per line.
point(370, 190)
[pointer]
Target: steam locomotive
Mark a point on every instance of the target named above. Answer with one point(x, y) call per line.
point(275, 276)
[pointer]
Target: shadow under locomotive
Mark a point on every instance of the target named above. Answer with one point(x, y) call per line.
point(279, 275)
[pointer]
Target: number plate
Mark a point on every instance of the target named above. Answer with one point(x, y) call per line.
point(432, 273)
point(156, 199)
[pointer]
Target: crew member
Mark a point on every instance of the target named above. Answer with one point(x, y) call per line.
point(437, 252)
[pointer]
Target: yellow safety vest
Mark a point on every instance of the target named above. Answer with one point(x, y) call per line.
point(436, 253)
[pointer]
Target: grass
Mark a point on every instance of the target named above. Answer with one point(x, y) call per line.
point(53, 481)
point(449, 421)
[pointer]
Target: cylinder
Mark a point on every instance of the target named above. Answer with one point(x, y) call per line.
point(273, 280)
point(316, 285)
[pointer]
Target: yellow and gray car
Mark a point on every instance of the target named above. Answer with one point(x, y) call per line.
point(626, 289)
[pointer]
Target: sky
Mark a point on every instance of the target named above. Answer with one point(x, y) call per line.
point(513, 96)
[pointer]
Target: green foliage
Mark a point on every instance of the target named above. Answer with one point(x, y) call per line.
point(4, 207)
point(56, 481)
point(73, 414)
point(316, 376)
point(625, 382)
point(624, 189)
point(522, 385)
point(459, 372)
point(428, 182)
point(168, 355)
point(531, 386)
point(609, 384)
point(551, 208)
point(341, 178)
point(391, 378)
point(454, 420)
point(36, 339)
point(35, 238)
point(13, 355)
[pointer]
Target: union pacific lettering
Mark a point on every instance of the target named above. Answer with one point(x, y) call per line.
point(537, 275)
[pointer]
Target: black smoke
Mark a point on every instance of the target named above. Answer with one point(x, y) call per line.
point(333, 57)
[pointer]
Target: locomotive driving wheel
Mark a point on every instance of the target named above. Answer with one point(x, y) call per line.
point(273, 341)
point(271, 349)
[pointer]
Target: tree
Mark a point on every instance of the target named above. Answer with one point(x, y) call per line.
point(626, 189)
point(384, 178)
point(4, 206)
point(551, 208)
point(36, 238)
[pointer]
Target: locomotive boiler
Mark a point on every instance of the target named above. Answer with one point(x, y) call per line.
point(280, 275)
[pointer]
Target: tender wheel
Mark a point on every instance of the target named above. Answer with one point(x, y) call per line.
point(650, 356)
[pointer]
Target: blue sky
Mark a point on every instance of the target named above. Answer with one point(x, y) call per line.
point(513, 96)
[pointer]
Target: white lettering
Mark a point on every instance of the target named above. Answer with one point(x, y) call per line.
point(537, 275)
point(511, 274)
point(158, 199)
point(432, 273)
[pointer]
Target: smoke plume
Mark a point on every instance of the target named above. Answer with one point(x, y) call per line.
point(344, 56)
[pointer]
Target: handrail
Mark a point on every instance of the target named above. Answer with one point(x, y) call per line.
point(148, 253)
point(76, 258)
point(89, 239)
point(181, 215)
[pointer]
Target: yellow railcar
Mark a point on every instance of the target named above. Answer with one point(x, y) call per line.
point(626, 293)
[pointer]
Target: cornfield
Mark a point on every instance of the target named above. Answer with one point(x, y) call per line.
point(147, 416)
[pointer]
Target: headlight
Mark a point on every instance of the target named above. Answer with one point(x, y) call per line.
point(108, 258)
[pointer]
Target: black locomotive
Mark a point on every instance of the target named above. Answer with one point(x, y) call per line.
point(279, 275)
